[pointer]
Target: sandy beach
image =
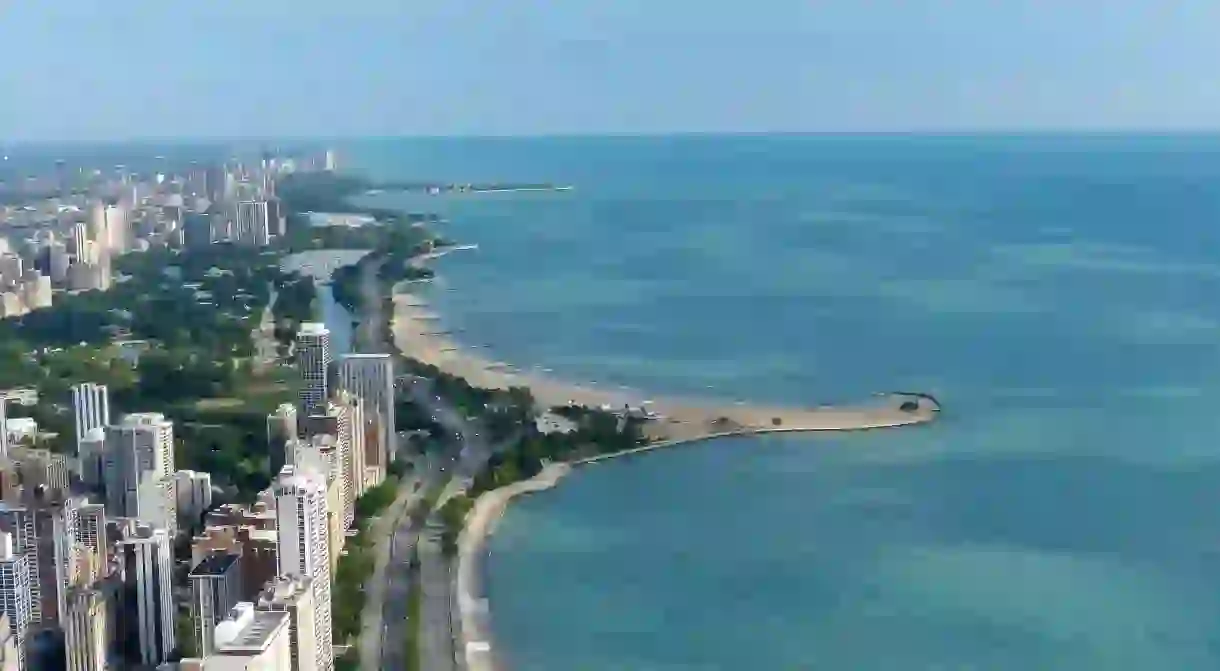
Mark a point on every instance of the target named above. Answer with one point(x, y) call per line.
point(419, 334)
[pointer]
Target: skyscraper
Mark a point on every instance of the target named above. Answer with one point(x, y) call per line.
point(57, 261)
point(295, 597)
point(196, 230)
point(91, 533)
point(303, 548)
point(3, 426)
point(216, 586)
point(313, 359)
point(80, 243)
point(145, 609)
point(140, 459)
point(252, 223)
point(281, 431)
point(253, 639)
point(85, 630)
point(118, 228)
point(15, 597)
point(46, 533)
point(91, 403)
point(342, 418)
point(371, 377)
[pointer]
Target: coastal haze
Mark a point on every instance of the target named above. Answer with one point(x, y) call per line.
point(1060, 515)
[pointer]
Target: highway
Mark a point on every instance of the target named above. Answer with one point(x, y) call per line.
point(457, 460)
point(436, 631)
point(371, 627)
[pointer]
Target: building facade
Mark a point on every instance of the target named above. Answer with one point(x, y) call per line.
point(145, 608)
point(216, 587)
point(295, 597)
point(16, 601)
point(313, 358)
point(303, 547)
point(85, 630)
point(91, 409)
point(371, 378)
point(138, 467)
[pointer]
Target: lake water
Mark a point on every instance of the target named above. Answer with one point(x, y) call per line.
point(1057, 293)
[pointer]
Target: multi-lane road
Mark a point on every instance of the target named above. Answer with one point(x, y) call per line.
point(465, 451)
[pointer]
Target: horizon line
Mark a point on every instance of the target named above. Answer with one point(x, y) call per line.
point(929, 132)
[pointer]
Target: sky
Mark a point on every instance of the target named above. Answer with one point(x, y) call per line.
point(127, 69)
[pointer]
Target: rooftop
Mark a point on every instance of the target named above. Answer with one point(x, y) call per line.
point(313, 329)
point(214, 565)
point(257, 629)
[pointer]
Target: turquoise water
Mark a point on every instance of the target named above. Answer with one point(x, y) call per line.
point(1058, 294)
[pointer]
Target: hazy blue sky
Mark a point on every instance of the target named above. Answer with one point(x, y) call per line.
point(81, 69)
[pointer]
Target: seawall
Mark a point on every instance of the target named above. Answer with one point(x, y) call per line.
point(474, 641)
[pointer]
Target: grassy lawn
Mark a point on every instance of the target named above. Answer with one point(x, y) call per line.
point(415, 608)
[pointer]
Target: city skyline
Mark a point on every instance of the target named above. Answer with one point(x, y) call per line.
point(372, 68)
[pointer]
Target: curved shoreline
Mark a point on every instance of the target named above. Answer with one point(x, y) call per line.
point(673, 422)
point(417, 335)
point(474, 640)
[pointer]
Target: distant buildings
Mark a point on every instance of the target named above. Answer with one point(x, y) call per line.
point(252, 224)
point(194, 492)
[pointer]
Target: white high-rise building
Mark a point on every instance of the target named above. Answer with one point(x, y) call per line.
point(371, 378)
point(194, 491)
point(145, 612)
point(91, 532)
point(97, 230)
point(252, 223)
point(85, 630)
point(313, 361)
point(252, 640)
point(295, 597)
point(303, 551)
point(10, 659)
point(91, 403)
point(57, 261)
point(342, 419)
point(118, 229)
point(80, 243)
point(3, 426)
point(140, 457)
point(15, 595)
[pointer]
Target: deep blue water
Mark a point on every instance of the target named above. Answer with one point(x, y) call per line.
point(1058, 293)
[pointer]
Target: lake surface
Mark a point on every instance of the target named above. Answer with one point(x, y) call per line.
point(1057, 293)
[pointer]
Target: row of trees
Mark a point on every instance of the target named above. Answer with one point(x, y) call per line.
point(356, 565)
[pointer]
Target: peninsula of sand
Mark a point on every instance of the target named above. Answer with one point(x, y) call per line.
point(419, 335)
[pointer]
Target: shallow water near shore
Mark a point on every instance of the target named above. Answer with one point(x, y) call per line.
point(1057, 294)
